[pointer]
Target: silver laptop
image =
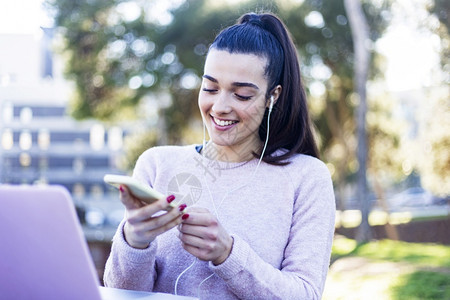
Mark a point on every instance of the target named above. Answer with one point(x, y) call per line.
point(43, 252)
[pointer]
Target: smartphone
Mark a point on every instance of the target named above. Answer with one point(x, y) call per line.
point(138, 189)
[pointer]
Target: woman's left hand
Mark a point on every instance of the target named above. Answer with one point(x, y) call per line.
point(202, 235)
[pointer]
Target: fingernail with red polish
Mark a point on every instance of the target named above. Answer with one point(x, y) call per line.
point(182, 207)
point(170, 198)
point(185, 216)
point(121, 189)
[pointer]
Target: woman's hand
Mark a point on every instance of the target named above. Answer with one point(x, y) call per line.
point(141, 226)
point(204, 237)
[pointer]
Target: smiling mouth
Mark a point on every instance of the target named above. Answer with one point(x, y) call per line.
point(223, 123)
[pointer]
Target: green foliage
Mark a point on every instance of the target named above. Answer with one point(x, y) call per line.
point(116, 61)
point(421, 285)
point(330, 45)
point(434, 140)
point(385, 134)
point(135, 145)
point(441, 10)
point(343, 247)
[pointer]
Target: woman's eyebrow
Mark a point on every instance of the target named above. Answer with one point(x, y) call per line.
point(238, 84)
point(210, 78)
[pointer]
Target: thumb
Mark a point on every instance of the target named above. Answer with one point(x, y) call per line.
point(128, 199)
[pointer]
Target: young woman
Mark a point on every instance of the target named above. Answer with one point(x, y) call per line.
point(259, 220)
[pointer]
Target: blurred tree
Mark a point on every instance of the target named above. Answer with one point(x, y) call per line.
point(135, 144)
point(326, 47)
point(425, 157)
point(122, 53)
point(360, 34)
point(435, 133)
point(125, 56)
point(434, 139)
point(385, 132)
point(440, 10)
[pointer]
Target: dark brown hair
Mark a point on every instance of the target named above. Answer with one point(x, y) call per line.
point(290, 126)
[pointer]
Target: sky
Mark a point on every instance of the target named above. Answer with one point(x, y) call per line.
point(411, 59)
point(411, 56)
point(411, 50)
point(22, 16)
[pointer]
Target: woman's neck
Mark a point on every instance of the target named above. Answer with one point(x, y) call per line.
point(234, 153)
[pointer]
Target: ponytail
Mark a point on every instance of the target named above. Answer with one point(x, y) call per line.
point(290, 126)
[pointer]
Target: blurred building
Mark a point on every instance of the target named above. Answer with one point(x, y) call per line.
point(41, 144)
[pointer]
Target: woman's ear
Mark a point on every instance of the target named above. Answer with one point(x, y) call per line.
point(274, 95)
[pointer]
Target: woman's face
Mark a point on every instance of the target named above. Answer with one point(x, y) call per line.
point(232, 99)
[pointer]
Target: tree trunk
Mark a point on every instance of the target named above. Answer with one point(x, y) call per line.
point(360, 35)
point(391, 230)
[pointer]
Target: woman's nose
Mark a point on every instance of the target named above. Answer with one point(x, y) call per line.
point(222, 104)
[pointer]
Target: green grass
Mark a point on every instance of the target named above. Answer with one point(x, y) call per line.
point(396, 251)
point(430, 278)
point(422, 285)
point(343, 247)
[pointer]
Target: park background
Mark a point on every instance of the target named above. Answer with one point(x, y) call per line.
point(86, 86)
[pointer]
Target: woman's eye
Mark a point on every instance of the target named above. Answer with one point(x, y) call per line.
point(243, 97)
point(209, 90)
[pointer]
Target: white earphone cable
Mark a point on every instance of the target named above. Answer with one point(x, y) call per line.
point(181, 274)
point(226, 194)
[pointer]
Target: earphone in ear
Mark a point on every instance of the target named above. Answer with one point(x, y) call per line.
point(271, 103)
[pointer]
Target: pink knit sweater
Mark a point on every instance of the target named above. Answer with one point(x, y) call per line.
point(281, 221)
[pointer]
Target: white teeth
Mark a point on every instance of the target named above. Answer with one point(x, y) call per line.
point(223, 123)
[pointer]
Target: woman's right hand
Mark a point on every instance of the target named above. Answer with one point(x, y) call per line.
point(141, 226)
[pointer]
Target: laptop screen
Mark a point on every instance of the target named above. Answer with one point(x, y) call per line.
point(43, 252)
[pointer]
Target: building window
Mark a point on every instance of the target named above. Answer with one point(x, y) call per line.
point(97, 137)
point(115, 138)
point(25, 140)
point(25, 159)
point(7, 139)
point(43, 164)
point(26, 115)
point(7, 113)
point(47, 55)
point(44, 139)
point(96, 191)
point(78, 191)
point(78, 165)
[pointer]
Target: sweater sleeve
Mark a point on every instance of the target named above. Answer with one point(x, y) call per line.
point(127, 267)
point(306, 257)
point(130, 268)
